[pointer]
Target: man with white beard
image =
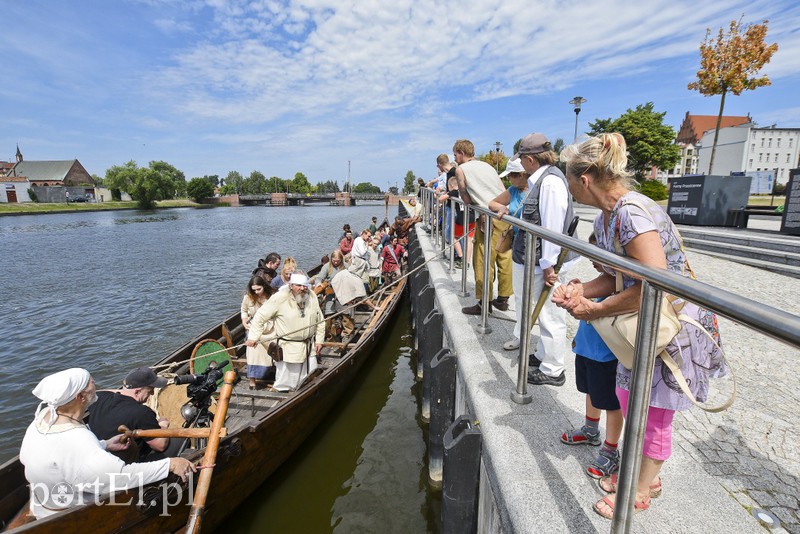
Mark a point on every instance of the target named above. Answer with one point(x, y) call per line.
point(298, 323)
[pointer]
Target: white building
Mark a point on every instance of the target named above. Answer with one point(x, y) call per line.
point(746, 148)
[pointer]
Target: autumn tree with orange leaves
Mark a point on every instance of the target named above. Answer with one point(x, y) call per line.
point(730, 63)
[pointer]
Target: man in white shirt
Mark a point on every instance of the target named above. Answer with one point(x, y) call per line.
point(549, 204)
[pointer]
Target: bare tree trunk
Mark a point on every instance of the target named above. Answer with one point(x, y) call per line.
point(716, 132)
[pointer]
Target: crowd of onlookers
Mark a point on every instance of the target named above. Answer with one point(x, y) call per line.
point(630, 224)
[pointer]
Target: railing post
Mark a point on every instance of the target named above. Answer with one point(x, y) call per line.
point(452, 226)
point(484, 327)
point(467, 259)
point(521, 395)
point(638, 406)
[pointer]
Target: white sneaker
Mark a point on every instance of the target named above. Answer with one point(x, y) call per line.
point(512, 344)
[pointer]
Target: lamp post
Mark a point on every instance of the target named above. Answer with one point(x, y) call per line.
point(577, 101)
point(497, 145)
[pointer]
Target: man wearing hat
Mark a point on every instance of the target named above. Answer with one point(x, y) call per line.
point(299, 328)
point(478, 183)
point(126, 406)
point(548, 204)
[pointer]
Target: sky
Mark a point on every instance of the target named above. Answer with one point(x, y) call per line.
point(370, 88)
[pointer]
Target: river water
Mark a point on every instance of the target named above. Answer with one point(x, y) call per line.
point(109, 291)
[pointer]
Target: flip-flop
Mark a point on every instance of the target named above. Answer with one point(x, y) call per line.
point(609, 485)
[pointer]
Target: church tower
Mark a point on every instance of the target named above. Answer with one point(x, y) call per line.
point(19, 154)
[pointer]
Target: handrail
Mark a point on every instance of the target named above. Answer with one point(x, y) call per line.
point(766, 319)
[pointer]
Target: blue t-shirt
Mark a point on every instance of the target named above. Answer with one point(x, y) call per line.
point(589, 344)
point(516, 199)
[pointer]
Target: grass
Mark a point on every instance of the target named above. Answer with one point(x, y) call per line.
point(32, 208)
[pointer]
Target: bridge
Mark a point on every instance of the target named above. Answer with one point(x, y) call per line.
point(298, 199)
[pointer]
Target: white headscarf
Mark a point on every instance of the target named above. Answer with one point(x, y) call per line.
point(60, 388)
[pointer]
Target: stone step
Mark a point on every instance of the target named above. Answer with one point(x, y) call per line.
point(779, 257)
point(760, 240)
point(786, 270)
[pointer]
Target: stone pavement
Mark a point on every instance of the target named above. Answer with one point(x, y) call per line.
point(723, 465)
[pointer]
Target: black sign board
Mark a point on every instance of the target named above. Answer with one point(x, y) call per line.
point(707, 200)
point(790, 224)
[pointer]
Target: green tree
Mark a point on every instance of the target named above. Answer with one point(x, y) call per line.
point(120, 177)
point(366, 187)
point(213, 179)
point(650, 141)
point(171, 181)
point(276, 185)
point(199, 188)
point(255, 184)
point(236, 183)
point(227, 189)
point(329, 186)
point(409, 182)
point(731, 63)
point(300, 184)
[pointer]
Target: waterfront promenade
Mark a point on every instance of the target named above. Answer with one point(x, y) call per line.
point(723, 465)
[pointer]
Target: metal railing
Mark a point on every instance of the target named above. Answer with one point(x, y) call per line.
point(773, 322)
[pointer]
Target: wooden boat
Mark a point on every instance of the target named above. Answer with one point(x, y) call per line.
point(263, 429)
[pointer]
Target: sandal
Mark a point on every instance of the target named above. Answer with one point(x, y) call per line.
point(609, 485)
point(606, 463)
point(608, 513)
point(580, 437)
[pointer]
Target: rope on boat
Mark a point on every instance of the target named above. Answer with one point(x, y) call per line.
point(378, 293)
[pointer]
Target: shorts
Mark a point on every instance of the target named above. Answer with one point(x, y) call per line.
point(460, 230)
point(598, 380)
point(657, 433)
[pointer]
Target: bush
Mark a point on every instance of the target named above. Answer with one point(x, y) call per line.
point(32, 195)
point(654, 189)
point(199, 188)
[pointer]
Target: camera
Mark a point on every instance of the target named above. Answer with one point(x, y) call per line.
point(201, 387)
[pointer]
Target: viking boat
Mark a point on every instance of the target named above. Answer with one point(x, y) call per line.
point(262, 429)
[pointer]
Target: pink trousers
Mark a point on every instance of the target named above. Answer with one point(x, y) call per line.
point(658, 433)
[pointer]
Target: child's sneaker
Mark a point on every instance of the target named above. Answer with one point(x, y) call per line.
point(606, 464)
point(580, 437)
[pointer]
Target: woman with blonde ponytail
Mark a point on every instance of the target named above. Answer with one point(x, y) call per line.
point(597, 176)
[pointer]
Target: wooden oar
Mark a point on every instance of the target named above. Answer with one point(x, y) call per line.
point(386, 200)
point(167, 433)
point(193, 524)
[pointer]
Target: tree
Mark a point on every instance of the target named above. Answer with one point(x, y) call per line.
point(199, 188)
point(276, 185)
point(650, 141)
point(255, 184)
point(498, 160)
point(393, 190)
point(731, 63)
point(409, 183)
point(213, 179)
point(120, 177)
point(329, 186)
point(171, 182)
point(366, 187)
point(300, 184)
point(236, 183)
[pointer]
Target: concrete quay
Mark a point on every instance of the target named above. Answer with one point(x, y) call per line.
point(723, 465)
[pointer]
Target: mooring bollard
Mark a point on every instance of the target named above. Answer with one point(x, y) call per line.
point(430, 342)
point(443, 397)
point(425, 299)
point(461, 477)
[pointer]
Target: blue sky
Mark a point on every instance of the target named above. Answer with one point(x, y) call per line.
point(212, 86)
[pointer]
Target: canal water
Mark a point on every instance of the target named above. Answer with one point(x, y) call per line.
point(109, 291)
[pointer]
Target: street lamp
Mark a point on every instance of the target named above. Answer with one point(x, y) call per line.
point(497, 145)
point(577, 101)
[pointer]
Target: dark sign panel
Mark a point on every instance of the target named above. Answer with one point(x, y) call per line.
point(790, 224)
point(707, 200)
